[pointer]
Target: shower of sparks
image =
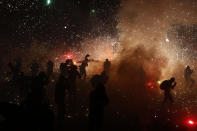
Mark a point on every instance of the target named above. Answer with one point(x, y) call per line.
point(154, 27)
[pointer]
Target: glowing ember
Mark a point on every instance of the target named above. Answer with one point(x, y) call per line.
point(159, 82)
point(68, 56)
point(190, 122)
point(48, 2)
point(167, 40)
point(150, 85)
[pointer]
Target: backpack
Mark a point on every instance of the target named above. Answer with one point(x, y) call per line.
point(164, 85)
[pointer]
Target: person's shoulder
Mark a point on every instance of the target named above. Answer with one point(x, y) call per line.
point(165, 81)
point(92, 93)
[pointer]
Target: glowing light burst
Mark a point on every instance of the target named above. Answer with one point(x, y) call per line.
point(68, 56)
point(190, 122)
point(159, 82)
point(48, 2)
point(92, 11)
point(99, 48)
point(167, 40)
point(150, 85)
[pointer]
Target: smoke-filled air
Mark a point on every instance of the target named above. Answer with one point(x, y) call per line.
point(144, 43)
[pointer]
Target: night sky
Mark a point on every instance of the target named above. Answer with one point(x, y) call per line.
point(147, 42)
point(53, 21)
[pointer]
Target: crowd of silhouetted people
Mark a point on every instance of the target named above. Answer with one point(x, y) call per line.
point(34, 113)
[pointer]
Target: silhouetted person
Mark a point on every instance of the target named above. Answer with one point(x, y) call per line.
point(142, 76)
point(115, 47)
point(37, 92)
point(104, 77)
point(83, 66)
point(59, 100)
point(187, 74)
point(61, 85)
point(73, 74)
point(15, 69)
point(98, 100)
point(167, 86)
point(106, 66)
point(17, 76)
point(34, 68)
point(64, 68)
point(50, 66)
point(18, 63)
point(37, 112)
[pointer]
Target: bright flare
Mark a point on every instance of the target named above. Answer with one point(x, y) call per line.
point(93, 11)
point(68, 56)
point(190, 122)
point(167, 40)
point(150, 85)
point(48, 2)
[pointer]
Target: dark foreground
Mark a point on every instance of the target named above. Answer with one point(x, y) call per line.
point(121, 113)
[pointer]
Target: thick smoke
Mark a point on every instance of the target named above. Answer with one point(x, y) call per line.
point(145, 56)
point(144, 24)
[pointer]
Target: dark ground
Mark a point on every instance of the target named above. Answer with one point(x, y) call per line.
point(122, 113)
